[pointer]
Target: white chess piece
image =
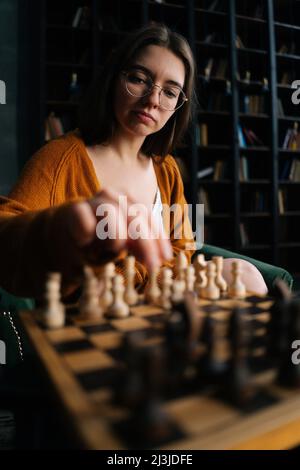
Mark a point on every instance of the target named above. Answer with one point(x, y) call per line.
point(220, 281)
point(166, 283)
point(236, 289)
point(118, 308)
point(211, 291)
point(152, 291)
point(177, 288)
point(53, 314)
point(181, 265)
point(131, 295)
point(106, 298)
point(190, 278)
point(89, 306)
point(200, 270)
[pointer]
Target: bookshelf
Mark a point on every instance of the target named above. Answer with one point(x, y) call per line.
point(247, 55)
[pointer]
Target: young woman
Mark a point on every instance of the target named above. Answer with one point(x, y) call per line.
point(135, 114)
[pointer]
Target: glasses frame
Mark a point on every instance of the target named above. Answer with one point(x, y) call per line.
point(185, 99)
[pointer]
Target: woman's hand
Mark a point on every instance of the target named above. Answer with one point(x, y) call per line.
point(152, 248)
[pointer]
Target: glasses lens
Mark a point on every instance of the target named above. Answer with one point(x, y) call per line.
point(171, 98)
point(138, 84)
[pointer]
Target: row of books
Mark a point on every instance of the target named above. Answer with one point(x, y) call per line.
point(291, 139)
point(254, 202)
point(248, 138)
point(254, 104)
point(290, 170)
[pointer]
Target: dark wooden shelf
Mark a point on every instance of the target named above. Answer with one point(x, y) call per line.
point(296, 153)
point(214, 182)
point(167, 5)
point(250, 50)
point(68, 64)
point(254, 149)
point(289, 118)
point(251, 19)
point(286, 25)
point(214, 148)
point(218, 216)
point(221, 14)
point(286, 182)
point(254, 116)
point(287, 56)
point(252, 215)
point(289, 245)
point(213, 114)
point(256, 182)
point(290, 214)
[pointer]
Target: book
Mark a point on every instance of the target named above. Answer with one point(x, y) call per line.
point(205, 172)
point(76, 17)
point(281, 205)
point(203, 135)
point(203, 199)
point(243, 235)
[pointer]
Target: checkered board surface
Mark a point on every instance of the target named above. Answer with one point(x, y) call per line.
point(90, 351)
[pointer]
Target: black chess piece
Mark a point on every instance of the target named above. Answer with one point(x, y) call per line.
point(279, 320)
point(148, 424)
point(239, 389)
point(129, 387)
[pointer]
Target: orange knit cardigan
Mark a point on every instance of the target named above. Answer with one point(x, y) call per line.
point(31, 244)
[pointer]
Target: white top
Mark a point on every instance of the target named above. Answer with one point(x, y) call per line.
point(157, 209)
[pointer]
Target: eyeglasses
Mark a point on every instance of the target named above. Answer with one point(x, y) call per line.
point(139, 84)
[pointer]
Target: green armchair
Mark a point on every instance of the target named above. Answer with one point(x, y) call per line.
point(269, 273)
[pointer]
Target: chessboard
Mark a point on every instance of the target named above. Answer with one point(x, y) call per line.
point(204, 374)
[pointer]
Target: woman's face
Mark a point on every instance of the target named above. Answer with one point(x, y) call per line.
point(166, 70)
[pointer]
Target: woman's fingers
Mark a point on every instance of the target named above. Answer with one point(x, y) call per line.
point(119, 222)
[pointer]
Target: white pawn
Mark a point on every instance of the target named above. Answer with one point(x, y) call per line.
point(106, 298)
point(190, 278)
point(236, 289)
point(211, 291)
point(200, 270)
point(54, 311)
point(131, 295)
point(220, 281)
point(181, 265)
point(178, 288)
point(165, 298)
point(152, 291)
point(118, 308)
point(89, 306)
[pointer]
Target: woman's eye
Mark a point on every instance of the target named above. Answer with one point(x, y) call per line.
point(171, 93)
point(137, 79)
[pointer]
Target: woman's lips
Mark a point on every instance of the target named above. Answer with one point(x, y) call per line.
point(145, 118)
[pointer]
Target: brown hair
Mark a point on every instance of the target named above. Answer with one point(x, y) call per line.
point(96, 119)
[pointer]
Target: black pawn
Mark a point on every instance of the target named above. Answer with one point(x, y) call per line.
point(239, 389)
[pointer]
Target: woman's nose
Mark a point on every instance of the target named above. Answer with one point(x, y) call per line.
point(154, 96)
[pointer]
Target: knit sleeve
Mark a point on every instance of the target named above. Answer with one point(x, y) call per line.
point(27, 224)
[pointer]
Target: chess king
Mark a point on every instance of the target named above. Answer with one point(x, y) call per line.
point(134, 115)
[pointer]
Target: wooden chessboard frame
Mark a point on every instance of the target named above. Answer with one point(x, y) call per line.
point(220, 426)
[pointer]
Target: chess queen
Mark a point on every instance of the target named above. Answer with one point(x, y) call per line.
point(134, 115)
